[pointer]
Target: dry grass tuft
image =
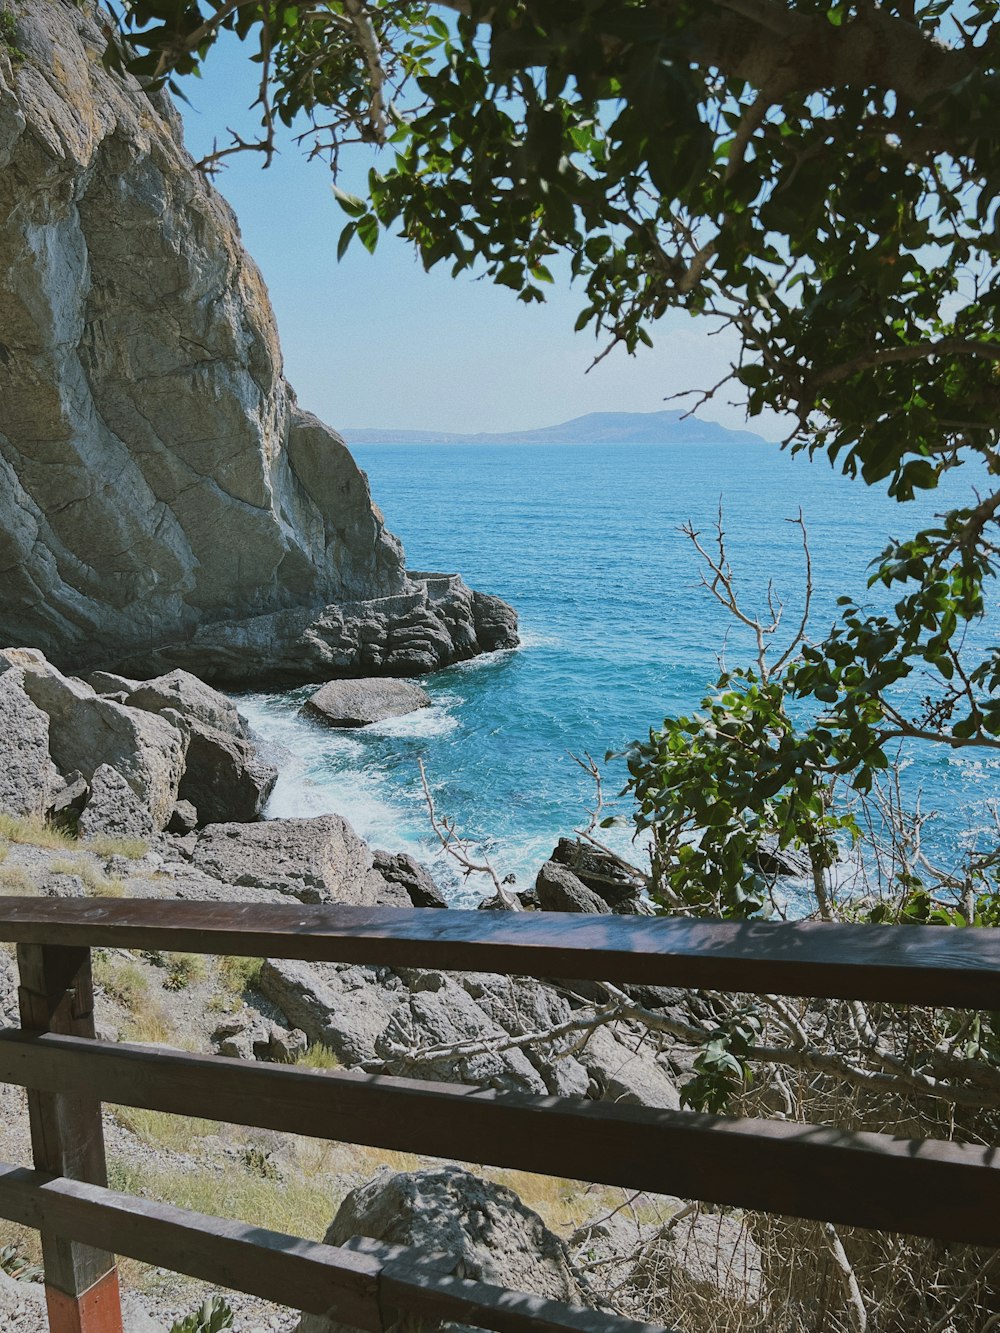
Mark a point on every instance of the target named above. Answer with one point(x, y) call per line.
point(35, 832)
point(97, 884)
point(179, 1133)
point(299, 1207)
point(133, 849)
point(128, 986)
point(15, 880)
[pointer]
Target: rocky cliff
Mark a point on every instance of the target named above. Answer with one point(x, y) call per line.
point(164, 501)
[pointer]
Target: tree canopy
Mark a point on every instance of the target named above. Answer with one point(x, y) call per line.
point(819, 175)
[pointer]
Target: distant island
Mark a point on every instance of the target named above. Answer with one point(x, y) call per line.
point(594, 428)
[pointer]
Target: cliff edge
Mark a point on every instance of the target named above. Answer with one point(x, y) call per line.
point(164, 501)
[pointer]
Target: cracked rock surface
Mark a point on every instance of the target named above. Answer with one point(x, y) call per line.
point(164, 500)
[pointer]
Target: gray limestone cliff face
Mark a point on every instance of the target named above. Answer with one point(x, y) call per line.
point(164, 501)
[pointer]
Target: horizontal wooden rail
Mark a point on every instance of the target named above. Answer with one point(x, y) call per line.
point(923, 1187)
point(363, 1285)
point(931, 965)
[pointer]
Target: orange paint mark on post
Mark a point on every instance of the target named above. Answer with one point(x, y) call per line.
point(97, 1310)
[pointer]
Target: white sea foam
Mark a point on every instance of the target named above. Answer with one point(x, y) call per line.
point(535, 638)
point(426, 722)
point(485, 660)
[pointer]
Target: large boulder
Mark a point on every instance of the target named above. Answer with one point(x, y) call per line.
point(482, 1230)
point(315, 860)
point(697, 1264)
point(619, 1063)
point(28, 777)
point(87, 731)
point(415, 879)
point(187, 695)
point(456, 1028)
point(559, 890)
point(601, 872)
point(383, 1018)
point(357, 703)
point(164, 501)
point(113, 810)
point(341, 1006)
point(224, 777)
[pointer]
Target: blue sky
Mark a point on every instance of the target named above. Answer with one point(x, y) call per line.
point(376, 341)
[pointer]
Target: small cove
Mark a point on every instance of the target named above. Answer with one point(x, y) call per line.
point(616, 630)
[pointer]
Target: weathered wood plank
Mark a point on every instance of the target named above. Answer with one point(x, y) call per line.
point(360, 1285)
point(56, 994)
point(922, 1187)
point(930, 965)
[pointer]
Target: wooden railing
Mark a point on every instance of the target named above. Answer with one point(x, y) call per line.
point(924, 1187)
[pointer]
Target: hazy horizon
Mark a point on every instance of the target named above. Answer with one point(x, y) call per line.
point(375, 337)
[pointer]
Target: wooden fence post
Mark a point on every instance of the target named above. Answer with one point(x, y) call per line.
point(56, 994)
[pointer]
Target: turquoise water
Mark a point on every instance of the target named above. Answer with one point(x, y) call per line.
point(583, 540)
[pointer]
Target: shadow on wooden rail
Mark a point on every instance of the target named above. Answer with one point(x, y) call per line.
point(923, 1187)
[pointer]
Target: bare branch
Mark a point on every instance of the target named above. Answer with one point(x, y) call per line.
point(458, 849)
point(371, 51)
point(855, 1299)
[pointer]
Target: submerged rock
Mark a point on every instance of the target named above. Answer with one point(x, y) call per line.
point(356, 703)
point(164, 500)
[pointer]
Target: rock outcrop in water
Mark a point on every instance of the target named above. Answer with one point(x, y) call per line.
point(164, 501)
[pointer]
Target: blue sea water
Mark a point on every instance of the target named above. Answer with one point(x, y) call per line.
point(617, 632)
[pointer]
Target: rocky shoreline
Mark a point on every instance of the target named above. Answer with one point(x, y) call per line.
point(169, 761)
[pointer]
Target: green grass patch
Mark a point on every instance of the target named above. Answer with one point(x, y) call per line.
point(238, 975)
point(8, 36)
point(318, 1056)
point(183, 969)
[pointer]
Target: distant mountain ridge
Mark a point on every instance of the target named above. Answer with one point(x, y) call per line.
point(668, 427)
